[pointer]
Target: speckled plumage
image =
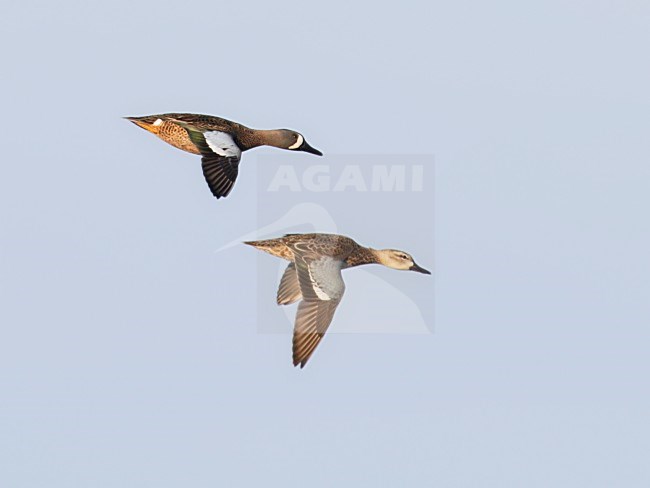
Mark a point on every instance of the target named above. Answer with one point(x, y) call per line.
point(332, 245)
point(313, 277)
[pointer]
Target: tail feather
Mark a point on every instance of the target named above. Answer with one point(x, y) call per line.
point(273, 247)
point(254, 243)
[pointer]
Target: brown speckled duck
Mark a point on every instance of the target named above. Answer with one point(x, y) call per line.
point(220, 143)
point(314, 277)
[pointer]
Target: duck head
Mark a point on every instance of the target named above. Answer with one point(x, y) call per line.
point(291, 140)
point(392, 258)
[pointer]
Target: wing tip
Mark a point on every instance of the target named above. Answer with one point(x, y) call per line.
point(299, 362)
point(219, 174)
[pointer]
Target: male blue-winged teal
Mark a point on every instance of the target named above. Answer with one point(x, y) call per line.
point(314, 277)
point(220, 143)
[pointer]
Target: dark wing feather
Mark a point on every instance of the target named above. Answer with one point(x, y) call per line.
point(220, 171)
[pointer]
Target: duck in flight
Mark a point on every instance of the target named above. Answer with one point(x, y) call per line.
point(220, 143)
point(313, 277)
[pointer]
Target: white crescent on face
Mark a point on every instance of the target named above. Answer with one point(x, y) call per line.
point(298, 143)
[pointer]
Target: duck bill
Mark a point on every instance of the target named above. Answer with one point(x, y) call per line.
point(307, 148)
point(419, 269)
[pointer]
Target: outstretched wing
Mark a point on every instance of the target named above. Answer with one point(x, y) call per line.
point(220, 159)
point(312, 321)
point(289, 289)
point(322, 288)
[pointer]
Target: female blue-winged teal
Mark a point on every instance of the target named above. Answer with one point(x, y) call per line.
point(314, 277)
point(220, 143)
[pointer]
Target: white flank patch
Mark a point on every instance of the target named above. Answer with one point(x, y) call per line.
point(222, 144)
point(298, 143)
point(157, 122)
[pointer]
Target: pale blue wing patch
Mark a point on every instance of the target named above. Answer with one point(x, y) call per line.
point(320, 278)
point(322, 288)
point(219, 159)
point(222, 144)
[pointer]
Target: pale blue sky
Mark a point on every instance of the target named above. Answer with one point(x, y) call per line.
point(129, 351)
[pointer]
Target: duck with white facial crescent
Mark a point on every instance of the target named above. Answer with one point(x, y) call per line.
point(220, 143)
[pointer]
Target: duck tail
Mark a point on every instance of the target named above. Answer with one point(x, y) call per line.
point(271, 246)
point(254, 243)
point(261, 245)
